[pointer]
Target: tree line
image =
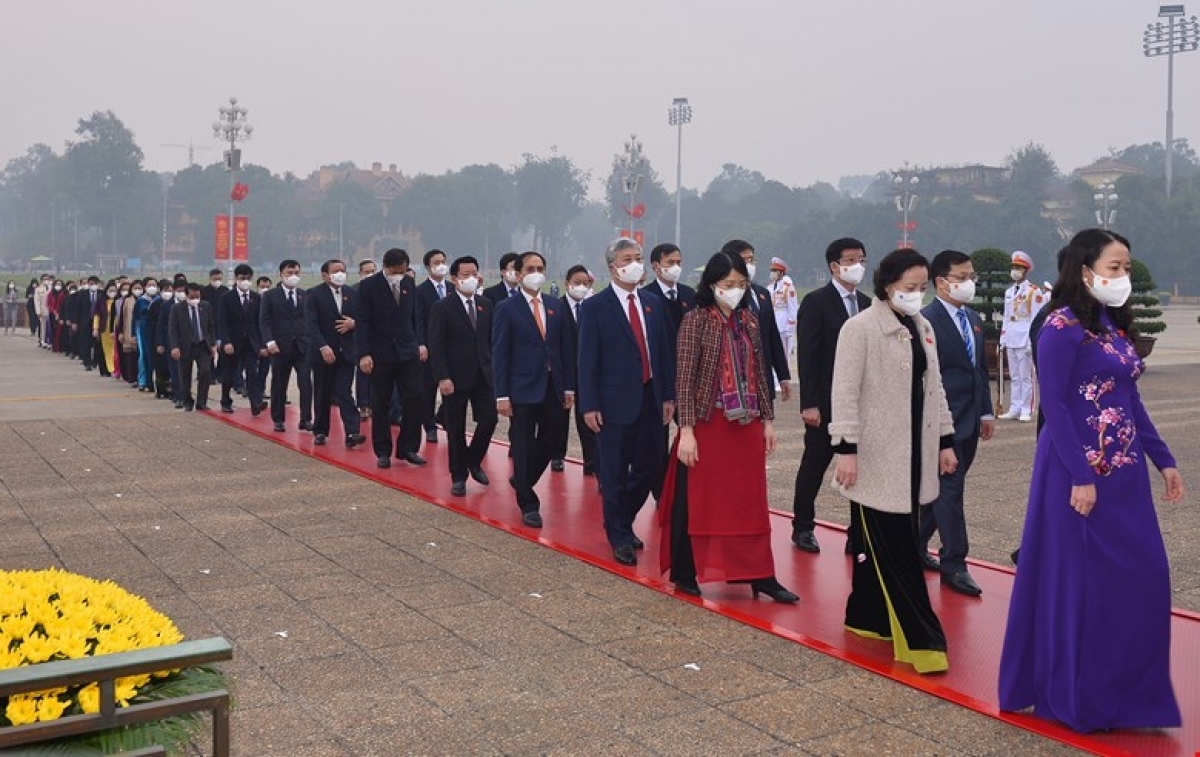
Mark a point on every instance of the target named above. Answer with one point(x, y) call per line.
point(95, 198)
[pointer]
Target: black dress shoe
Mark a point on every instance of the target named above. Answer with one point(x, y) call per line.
point(929, 562)
point(354, 440)
point(638, 543)
point(188, 407)
point(772, 589)
point(480, 477)
point(202, 408)
point(458, 488)
point(589, 471)
point(962, 583)
point(412, 458)
point(226, 408)
point(319, 440)
point(431, 437)
point(279, 427)
point(178, 404)
point(383, 461)
point(687, 586)
point(625, 555)
point(557, 466)
point(806, 541)
point(306, 426)
point(850, 550)
point(1015, 554)
point(532, 519)
point(256, 410)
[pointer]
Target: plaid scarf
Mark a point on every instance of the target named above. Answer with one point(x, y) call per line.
point(737, 390)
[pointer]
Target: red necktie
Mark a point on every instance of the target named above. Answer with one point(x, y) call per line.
point(640, 337)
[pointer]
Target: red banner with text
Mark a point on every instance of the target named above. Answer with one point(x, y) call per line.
point(241, 238)
point(221, 235)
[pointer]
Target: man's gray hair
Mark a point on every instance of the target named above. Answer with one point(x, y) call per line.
point(615, 246)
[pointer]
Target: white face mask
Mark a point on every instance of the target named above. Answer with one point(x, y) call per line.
point(291, 281)
point(1110, 292)
point(510, 277)
point(908, 303)
point(396, 278)
point(440, 270)
point(93, 287)
point(852, 274)
point(730, 298)
point(137, 293)
point(468, 285)
point(180, 296)
point(111, 293)
point(338, 278)
point(962, 292)
point(216, 283)
point(244, 285)
point(264, 290)
point(631, 273)
point(775, 276)
point(751, 269)
point(58, 287)
point(533, 281)
point(578, 292)
point(194, 303)
point(151, 290)
point(671, 273)
point(1016, 274)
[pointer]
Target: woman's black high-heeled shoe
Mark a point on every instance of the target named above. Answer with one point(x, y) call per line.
point(688, 586)
point(773, 589)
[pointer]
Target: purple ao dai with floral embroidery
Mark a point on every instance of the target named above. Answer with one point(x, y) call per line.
point(1088, 636)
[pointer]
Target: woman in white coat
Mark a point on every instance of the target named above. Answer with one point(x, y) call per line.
point(893, 433)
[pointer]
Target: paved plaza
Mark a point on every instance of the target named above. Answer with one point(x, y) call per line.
point(368, 622)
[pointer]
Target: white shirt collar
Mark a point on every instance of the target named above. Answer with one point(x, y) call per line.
point(843, 291)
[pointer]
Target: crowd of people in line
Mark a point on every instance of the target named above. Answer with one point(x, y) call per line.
point(894, 394)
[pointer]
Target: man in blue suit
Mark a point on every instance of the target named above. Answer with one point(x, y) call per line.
point(627, 391)
point(533, 378)
point(959, 334)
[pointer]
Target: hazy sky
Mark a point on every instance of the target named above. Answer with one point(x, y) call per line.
point(798, 89)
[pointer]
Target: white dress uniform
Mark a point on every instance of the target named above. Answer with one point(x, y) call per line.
point(786, 305)
point(1022, 301)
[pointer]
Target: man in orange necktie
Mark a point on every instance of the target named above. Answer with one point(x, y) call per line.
point(534, 380)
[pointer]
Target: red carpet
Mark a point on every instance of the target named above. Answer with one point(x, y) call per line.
point(974, 627)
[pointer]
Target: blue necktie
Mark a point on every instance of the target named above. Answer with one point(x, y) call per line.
point(966, 333)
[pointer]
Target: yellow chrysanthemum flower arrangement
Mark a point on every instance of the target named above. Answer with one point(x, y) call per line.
point(48, 615)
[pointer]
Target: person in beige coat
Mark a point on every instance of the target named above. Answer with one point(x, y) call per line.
point(893, 433)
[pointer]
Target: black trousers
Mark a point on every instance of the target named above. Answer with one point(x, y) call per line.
point(814, 464)
point(200, 355)
point(454, 409)
point(536, 432)
point(243, 360)
point(331, 385)
point(129, 366)
point(85, 346)
point(98, 356)
point(162, 373)
point(386, 378)
point(362, 389)
point(429, 393)
point(587, 441)
point(282, 366)
point(630, 461)
point(683, 562)
point(946, 515)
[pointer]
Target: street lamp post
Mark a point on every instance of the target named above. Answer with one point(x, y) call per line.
point(232, 128)
point(1178, 35)
point(631, 162)
point(906, 182)
point(1105, 198)
point(679, 114)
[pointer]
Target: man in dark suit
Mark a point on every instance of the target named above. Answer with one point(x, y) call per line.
point(627, 390)
point(534, 380)
point(818, 323)
point(84, 304)
point(386, 339)
point(958, 331)
point(240, 341)
point(215, 289)
point(193, 336)
point(460, 356)
point(761, 303)
point(329, 309)
point(578, 288)
point(666, 261)
point(510, 275)
point(362, 383)
point(429, 291)
point(284, 333)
